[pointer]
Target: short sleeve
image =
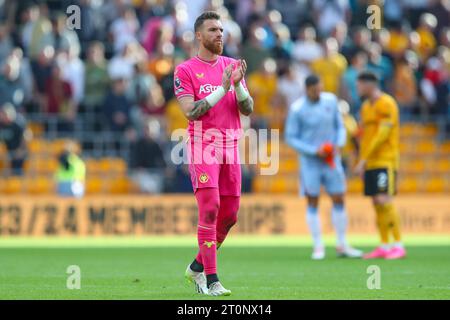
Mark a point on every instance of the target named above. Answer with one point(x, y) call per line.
point(182, 83)
point(386, 111)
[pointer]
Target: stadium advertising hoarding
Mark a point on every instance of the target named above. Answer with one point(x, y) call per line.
point(177, 215)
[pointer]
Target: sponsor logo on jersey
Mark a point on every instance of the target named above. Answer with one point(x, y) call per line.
point(209, 88)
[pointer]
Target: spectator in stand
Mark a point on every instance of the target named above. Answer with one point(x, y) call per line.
point(329, 13)
point(232, 36)
point(64, 39)
point(284, 46)
point(13, 134)
point(117, 106)
point(147, 161)
point(42, 70)
point(291, 84)
point(124, 29)
point(41, 33)
point(12, 89)
point(96, 79)
point(306, 48)
point(263, 86)
point(294, 12)
point(6, 44)
point(424, 42)
point(404, 87)
point(435, 80)
point(358, 62)
point(379, 64)
point(59, 101)
point(330, 67)
point(396, 40)
point(145, 93)
point(253, 50)
point(360, 38)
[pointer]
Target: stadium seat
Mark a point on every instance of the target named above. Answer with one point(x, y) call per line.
point(94, 185)
point(443, 165)
point(41, 184)
point(117, 186)
point(13, 185)
point(37, 129)
point(92, 166)
point(408, 185)
point(444, 148)
point(59, 145)
point(278, 185)
point(38, 146)
point(436, 184)
point(289, 165)
point(259, 184)
point(413, 166)
point(117, 165)
point(355, 185)
point(426, 147)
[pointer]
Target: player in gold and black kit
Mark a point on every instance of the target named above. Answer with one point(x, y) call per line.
point(379, 161)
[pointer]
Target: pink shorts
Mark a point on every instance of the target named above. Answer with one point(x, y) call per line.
point(215, 167)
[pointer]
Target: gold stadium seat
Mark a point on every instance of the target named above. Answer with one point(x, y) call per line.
point(444, 148)
point(355, 185)
point(259, 184)
point(278, 185)
point(38, 146)
point(426, 147)
point(13, 185)
point(41, 184)
point(408, 185)
point(430, 130)
point(36, 129)
point(408, 129)
point(292, 185)
point(435, 184)
point(118, 186)
point(117, 165)
point(92, 167)
point(443, 165)
point(59, 145)
point(94, 185)
point(413, 166)
point(289, 165)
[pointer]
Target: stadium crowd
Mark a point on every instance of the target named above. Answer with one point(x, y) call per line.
point(115, 74)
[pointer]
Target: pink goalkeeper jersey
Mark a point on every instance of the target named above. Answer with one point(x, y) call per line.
point(198, 78)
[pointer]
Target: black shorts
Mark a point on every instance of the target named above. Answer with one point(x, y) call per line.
point(380, 181)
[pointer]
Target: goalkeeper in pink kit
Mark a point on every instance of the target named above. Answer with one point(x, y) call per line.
point(212, 92)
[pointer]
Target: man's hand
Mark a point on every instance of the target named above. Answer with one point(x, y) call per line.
point(359, 168)
point(239, 72)
point(226, 77)
point(321, 153)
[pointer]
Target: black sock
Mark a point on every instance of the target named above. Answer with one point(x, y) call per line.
point(196, 266)
point(211, 278)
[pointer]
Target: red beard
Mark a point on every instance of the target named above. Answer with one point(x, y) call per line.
point(214, 47)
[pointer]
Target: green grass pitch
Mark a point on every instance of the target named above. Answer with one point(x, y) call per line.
point(252, 267)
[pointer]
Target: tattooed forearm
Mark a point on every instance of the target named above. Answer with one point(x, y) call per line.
point(246, 106)
point(199, 109)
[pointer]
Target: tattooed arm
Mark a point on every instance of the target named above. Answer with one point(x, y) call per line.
point(246, 106)
point(245, 101)
point(194, 109)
